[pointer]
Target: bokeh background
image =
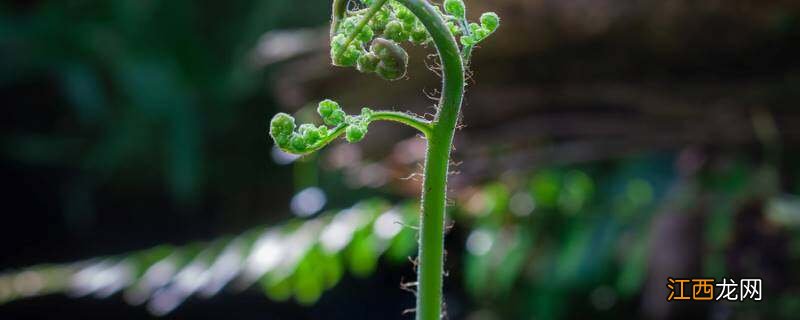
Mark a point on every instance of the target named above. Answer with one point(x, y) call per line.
point(606, 145)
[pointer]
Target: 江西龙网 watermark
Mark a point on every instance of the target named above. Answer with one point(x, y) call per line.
point(708, 289)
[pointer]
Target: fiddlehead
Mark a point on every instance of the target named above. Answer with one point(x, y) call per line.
point(308, 138)
point(354, 44)
point(369, 39)
point(393, 23)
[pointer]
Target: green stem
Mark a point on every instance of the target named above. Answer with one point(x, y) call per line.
point(422, 125)
point(337, 131)
point(372, 11)
point(440, 137)
point(434, 189)
point(466, 51)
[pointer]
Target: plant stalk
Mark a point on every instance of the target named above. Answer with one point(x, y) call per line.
point(434, 189)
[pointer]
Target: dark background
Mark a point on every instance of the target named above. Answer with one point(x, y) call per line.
point(129, 124)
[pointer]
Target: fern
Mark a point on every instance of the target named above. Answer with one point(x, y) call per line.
point(299, 259)
point(354, 44)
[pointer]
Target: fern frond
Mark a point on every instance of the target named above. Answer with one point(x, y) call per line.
point(298, 259)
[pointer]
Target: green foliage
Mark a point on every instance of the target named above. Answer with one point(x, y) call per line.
point(490, 21)
point(520, 257)
point(330, 112)
point(455, 8)
point(308, 137)
point(143, 89)
point(175, 79)
point(353, 34)
point(539, 239)
point(300, 260)
point(476, 33)
point(392, 59)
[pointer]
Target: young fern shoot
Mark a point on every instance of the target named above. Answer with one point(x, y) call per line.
point(370, 39)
